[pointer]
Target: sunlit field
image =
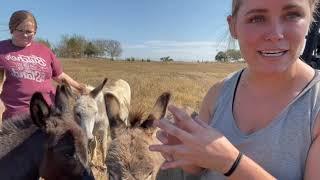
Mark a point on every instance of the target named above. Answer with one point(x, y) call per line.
point(188, 82)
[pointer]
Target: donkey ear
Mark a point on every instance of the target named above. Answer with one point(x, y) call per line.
point(158, 111)
point(39, 110)
point(66, 88)
point(96, 90)
point(113, 113)
point(61, 98)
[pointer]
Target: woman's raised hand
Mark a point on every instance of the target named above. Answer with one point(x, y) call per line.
point(191, 142)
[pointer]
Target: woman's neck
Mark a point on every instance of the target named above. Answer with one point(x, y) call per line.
point(296, 76)
point(19, 45)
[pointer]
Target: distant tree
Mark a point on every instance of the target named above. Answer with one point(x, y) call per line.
point(166, 59)
point(221, 57)
point(91, 50)
point(101, 46)
point(44, 42)
point(130, 59)
point(113, 48)
point(76, 45)
point(73, 46)
point(233, 54)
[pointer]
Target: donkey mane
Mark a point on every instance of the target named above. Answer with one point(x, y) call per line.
point(16, 124)
point(20, 122)
point(18, 129)
point(135, 118)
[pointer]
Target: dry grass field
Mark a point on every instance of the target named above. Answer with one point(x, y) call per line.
point(188, 82)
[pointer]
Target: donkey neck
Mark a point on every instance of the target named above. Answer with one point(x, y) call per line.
point(14, 132)
point(23, 160)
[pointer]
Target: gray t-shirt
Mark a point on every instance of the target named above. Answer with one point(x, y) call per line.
point(282, 147)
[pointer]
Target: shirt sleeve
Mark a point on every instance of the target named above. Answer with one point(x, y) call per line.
point(56, 65)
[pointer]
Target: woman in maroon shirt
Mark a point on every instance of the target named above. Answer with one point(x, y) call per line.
point(28, 66)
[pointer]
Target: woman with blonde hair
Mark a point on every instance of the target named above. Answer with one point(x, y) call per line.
point(263, 121)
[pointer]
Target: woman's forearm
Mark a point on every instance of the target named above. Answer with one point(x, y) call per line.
point(248, 169)
point(74, 84)
point(194, 170)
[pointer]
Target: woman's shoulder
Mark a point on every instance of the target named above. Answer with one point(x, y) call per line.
point(6, 46)
point(216, 87)
point(39, 45)
point(214, 92)
point(5, 43)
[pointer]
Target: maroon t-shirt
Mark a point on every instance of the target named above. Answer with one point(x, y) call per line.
point(27, 70)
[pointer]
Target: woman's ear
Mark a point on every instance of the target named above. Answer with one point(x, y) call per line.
point(232, 26)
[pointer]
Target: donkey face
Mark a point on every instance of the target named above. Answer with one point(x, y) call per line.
point(128, 154)
point(86, 109)
point(65, 155)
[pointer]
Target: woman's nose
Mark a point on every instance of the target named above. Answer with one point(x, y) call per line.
point(275, 32)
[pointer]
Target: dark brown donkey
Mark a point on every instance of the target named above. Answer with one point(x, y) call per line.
point(48, 143)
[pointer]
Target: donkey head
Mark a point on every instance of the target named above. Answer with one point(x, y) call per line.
point(86, 109)
point(128, 154)
point(65, 154)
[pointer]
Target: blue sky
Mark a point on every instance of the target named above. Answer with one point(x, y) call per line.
point(181, 29)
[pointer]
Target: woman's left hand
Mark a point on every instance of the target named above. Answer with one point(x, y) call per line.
point(200, 145)
point(82, 88)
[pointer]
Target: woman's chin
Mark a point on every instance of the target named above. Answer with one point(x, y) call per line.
point(24, 44)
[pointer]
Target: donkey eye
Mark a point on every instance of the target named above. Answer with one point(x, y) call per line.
point(69, 155)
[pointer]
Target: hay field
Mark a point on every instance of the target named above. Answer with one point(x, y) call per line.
point(188, 82)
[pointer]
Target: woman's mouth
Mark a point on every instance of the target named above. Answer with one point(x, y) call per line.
point(273, 53)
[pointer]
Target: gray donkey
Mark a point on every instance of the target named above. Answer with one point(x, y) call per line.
point(128, 154)
point(47, 143)
point(90, 111)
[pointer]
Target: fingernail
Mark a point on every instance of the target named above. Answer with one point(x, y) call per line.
point(168, 158)
point(151, 148)
point(164, 167)
point(170, 107)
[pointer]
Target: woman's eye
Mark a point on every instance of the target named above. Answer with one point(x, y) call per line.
point(293, 15)
point(257, 19)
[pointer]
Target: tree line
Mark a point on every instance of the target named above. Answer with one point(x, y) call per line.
point(228, 55)
point(77, 46)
